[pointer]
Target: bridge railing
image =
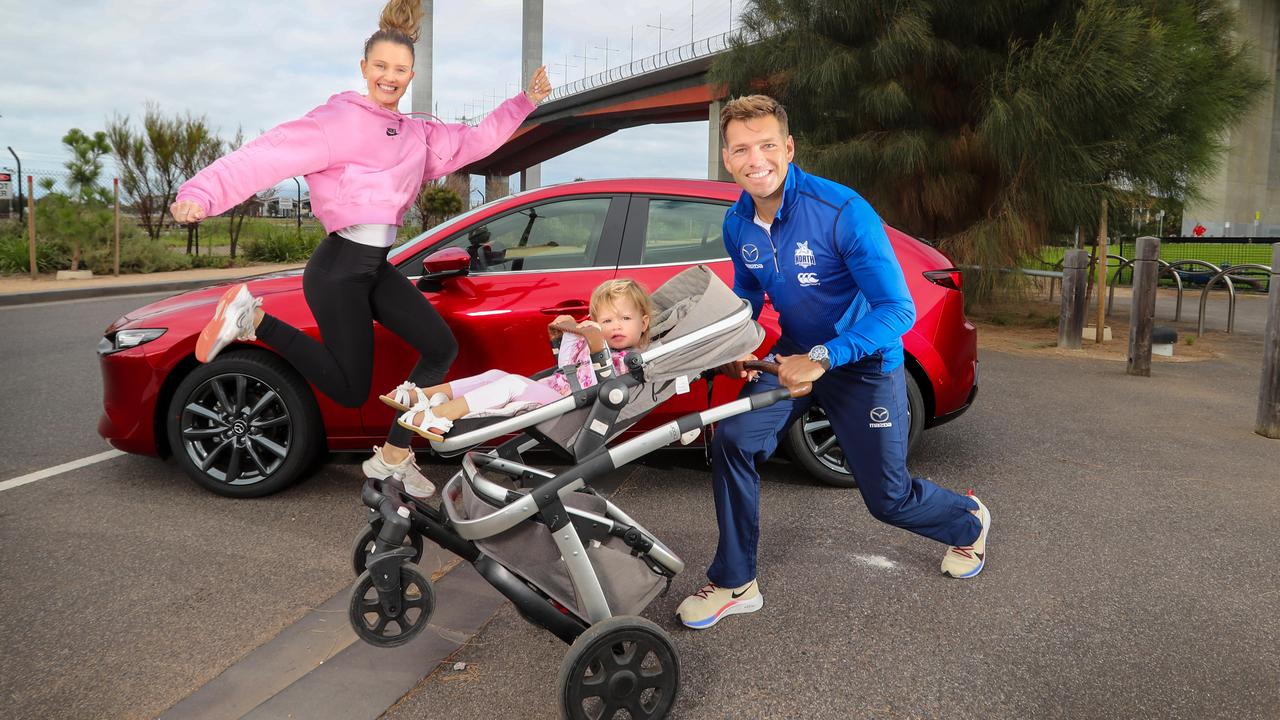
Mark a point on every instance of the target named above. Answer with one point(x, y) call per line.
point(674, 56)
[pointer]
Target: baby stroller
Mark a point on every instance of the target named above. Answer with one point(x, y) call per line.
point(571, 561)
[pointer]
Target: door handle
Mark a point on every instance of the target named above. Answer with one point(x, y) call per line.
point(568, 307)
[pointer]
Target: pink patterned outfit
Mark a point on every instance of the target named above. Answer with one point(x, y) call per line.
point(498, 390)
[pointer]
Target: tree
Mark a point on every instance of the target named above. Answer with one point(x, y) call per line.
point(197, 147)
point(991, 126)
point(148, 164)
point(235, 216)
point(436, 203)
point(85, 166)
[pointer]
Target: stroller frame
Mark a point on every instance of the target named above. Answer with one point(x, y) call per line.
point(596, 631)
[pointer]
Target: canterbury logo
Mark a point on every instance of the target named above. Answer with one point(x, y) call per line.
point(807, 278)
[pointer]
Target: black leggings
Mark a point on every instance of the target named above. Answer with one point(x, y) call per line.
point(348, 286)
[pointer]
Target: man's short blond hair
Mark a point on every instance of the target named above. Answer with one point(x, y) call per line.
point(749, 107)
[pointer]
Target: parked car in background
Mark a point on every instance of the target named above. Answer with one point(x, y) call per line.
point(248, 424)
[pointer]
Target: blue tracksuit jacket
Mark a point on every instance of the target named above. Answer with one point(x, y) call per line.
point(829, 269)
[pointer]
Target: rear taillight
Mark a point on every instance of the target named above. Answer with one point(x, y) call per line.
point(950, 278)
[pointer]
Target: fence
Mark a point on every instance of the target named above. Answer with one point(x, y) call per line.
point(45, 183)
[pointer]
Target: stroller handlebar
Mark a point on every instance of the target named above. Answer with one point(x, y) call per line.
point(772, 368)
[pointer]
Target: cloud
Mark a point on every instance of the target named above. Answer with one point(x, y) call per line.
point(252, 64)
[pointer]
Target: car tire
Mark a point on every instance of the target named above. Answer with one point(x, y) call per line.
point(810, 443)
point(245, 425)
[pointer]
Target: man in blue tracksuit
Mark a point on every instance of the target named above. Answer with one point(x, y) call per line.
point(821, 254)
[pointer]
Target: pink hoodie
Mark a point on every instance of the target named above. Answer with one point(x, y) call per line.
point(363, 163)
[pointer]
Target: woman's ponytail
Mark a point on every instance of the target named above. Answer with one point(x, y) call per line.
point(401, 22)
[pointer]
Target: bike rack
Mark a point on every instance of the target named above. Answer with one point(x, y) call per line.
point(1231, 293)
point(1093, 261)
point(1164, 268)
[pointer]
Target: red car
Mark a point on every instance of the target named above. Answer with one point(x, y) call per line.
point(249, 425)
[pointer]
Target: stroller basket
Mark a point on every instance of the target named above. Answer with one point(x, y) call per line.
point(628, 579)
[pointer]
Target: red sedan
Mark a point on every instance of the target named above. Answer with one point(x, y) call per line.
point(249, 425)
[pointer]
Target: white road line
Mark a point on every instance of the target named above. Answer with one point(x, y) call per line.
point(58, 469)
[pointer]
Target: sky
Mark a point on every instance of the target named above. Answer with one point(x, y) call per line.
point(257, 63)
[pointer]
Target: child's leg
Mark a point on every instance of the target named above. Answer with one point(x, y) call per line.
point(497, 392)
point(539, 393)
point(462, 386)
point(501, 389)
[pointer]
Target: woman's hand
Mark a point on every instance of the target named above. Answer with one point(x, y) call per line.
point(539, 86)
point(185, 212)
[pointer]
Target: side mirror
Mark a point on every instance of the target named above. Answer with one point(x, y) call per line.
point(442, 265)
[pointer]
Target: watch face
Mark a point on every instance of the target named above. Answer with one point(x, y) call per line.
point(818, 353)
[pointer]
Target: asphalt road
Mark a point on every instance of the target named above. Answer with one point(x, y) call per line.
point(125, 587)
point(51, 389)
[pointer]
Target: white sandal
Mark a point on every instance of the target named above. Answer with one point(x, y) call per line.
point(407, 395)
point(431, 427)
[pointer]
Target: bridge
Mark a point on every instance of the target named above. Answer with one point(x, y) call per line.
point(669, 87)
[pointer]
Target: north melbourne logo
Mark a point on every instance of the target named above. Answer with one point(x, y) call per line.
point(804, 256)
point(880, 418)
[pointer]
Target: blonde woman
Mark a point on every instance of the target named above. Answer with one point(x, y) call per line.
point(364, 162)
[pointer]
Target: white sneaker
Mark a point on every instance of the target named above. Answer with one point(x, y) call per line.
point(704, 608)
point(966, 561)
point(406, 471)
point(232, 320)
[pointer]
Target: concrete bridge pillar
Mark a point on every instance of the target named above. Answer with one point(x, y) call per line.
point(496, 186)
point(531, 59)
point(715, 163)
point(1243, 199)
point(420, 99)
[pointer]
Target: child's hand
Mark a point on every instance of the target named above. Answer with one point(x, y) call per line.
point(555, 332)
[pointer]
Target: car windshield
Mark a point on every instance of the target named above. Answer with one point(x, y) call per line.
point(408, 246)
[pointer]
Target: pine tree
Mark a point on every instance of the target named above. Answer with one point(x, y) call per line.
point(988, 126)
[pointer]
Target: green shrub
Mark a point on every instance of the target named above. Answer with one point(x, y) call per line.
point(138, 254)
point(214, 261)
point(15, 257)
point(280, 245)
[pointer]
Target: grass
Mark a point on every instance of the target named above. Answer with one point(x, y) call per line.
point(1216, 253)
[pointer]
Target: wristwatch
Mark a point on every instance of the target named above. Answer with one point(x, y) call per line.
point(820, 355)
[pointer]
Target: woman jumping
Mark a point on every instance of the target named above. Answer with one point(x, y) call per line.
point(365, 163)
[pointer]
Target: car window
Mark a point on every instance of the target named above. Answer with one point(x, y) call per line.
point(552, 236)
point(681, 231)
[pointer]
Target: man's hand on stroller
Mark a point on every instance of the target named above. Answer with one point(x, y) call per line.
point(795, 370)
point(736, 370)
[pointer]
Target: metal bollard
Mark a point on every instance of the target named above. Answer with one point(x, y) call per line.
point(1269, 392)
point(1075, 266)
point(1142, 312)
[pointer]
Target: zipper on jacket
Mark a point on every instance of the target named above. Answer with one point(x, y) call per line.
point(769, 236)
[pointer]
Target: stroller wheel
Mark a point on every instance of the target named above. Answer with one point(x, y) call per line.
point(376, 624)
point(366, 539)
point(623, 663)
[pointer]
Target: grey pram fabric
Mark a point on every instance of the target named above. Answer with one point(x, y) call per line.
point(689, 302)
point(528, 551)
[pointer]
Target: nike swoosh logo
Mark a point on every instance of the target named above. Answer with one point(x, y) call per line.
point(735, 595)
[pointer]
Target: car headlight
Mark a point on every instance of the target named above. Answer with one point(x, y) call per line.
point(125, 339)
